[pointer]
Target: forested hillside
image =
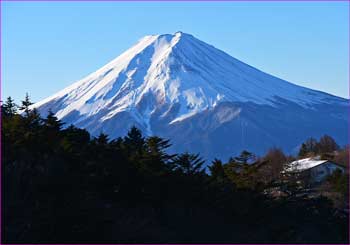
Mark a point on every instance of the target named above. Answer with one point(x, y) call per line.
point(60, 185)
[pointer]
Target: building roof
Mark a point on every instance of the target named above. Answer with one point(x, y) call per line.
point(304, 164)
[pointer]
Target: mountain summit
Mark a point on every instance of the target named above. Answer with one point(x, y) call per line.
point(204, 100)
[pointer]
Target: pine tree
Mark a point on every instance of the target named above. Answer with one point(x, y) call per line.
point(188, 164)
point(155, 158)
point(134, 140)
point(75, 139)
point(156, 147)
point(303, 150)
point(310, 146)
point(217, 170)
point(26, 103)
point(52, 121)
point(244, 157)
point(9, 108)
point(102, 139)
point(34, 118)
point(81, 136)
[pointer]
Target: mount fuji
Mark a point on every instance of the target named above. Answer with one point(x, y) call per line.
point(178, 87)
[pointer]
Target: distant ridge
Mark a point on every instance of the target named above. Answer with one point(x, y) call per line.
point(204, 100)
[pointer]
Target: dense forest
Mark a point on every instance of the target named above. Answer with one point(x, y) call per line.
point(61, 185)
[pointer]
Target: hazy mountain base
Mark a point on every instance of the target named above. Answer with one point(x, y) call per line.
point(231, 127)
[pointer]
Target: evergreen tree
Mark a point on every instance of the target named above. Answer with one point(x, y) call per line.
point(59, 185)
point(154, 158)
point(310, 146)
point(102, 139)
point(188, 164)
point(303, 150)
point(134, 140)
point(26, 103)
point(34, 118)
point(76, 134)
point(9, 108)
point(244, 157)
point(117, 143)
point(157, 147)
point(75, 140)
point(52, 121)
point(217, 170)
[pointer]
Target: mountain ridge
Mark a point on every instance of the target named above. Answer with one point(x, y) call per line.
point(173, 78)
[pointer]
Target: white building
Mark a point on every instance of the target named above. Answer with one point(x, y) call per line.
point(314, 168)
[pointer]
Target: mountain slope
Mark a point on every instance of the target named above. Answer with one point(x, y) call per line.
point(179, 87)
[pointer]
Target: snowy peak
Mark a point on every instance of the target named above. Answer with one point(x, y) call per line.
point(161, 72)
point(181, 88)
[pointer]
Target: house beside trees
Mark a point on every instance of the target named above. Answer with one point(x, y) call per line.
point(314, 169)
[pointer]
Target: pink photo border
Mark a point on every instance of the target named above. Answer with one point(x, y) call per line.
point(156, 1)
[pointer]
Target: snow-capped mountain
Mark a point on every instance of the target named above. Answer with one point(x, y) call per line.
point(204, 100)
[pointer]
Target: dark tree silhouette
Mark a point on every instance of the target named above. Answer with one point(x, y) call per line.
point(188, 164)
point(61, 185)
point(217, 170)
point(9, 108)
point(134, 140)
point(244, 157)
point(309, 146)
point(52, 122)
point(25, 105)
point(327, 144)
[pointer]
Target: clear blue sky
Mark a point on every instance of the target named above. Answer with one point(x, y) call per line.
point(47, 46)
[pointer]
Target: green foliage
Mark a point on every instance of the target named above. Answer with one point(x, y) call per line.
point(62, 185)
point(135, 140)
point(156, 147)
point(26, 103)
point(9, 108)
point(327, 144)
point(102, 139)
point(188, 164)
point(51, 122)
point(217, 170)
point(244, 157)
point(311, 147)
